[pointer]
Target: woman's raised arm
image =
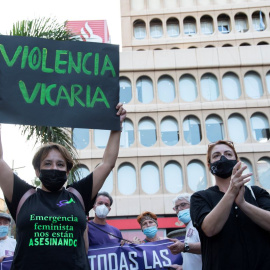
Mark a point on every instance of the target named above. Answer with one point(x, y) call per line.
point(6, 174)
point(110, 155)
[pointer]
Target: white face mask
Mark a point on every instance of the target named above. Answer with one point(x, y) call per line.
point(102, 211)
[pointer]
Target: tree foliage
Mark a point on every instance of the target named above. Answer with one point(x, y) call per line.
point(42, 28)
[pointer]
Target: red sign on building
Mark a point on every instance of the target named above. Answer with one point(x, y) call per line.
point(90, 31)
point(132, 224)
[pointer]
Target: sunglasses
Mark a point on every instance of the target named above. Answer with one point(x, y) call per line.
point(221, 141)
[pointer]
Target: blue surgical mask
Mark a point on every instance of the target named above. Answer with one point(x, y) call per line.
point(150, 232)
point(184, 216)
point(3, 231)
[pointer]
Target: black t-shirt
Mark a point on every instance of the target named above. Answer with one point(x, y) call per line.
point(241, 244)
point(50, 227)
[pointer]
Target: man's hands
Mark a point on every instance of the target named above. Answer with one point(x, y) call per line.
point(176, 247)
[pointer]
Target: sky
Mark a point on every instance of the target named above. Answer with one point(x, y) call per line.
point(18, 152)
point(16, 10)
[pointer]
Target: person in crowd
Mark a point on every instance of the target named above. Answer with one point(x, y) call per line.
point(51, 222)
point(191, 248)
point(99, 231)
point(149, 226)
point(7, 244)
point(233, 220)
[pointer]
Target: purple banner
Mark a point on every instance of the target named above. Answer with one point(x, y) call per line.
point(153, 255)
point(6, 264)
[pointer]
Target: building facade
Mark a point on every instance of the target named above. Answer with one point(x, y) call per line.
point(191, 73)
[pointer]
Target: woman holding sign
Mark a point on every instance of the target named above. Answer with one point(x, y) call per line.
point(51, 221)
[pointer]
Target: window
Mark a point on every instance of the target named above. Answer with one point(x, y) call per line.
point(108, 184)
point(227, 45)
point(209, 87)
point(263, 43)
point(263, 169)
point(173, 29)
point(173, 177)
point(244, 44)
point(166, 89)
point(101, 137)
point(188, 88)
point(249, 169)
point(80, 137)
point(171, 3)
point(268, 81)
point(137, 5)
point(189, 26)
point(207, 25)
point(258, 21)
point(237, 128)
point(241, 22)
point(126, 176)
point(196, 175)
point(125, 90)
point(187, 3)
point(260, 127)
point(214, 128)
point(147, 132)
point(154, 4)
point(253, 85)
point(150, 178)
point(127, 135)
point(144, 88)
point(224, 24)
point(156, 30)
point(81, 171)
point(231, 86)
point(169, 131)
point(192, 130)
point(139, 29)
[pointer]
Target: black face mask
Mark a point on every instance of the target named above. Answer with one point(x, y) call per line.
point(223, 167)
point(53, 180)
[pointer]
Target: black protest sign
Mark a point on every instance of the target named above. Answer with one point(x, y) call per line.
point(59, 83)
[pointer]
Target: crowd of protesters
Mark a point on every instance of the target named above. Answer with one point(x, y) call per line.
point(227, 225)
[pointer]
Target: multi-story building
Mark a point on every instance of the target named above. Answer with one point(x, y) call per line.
point(191, 72)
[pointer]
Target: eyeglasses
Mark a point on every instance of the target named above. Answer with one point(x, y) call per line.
point(221, 141)
point(180, 206)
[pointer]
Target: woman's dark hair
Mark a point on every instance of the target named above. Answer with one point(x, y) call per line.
point(44, 150)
